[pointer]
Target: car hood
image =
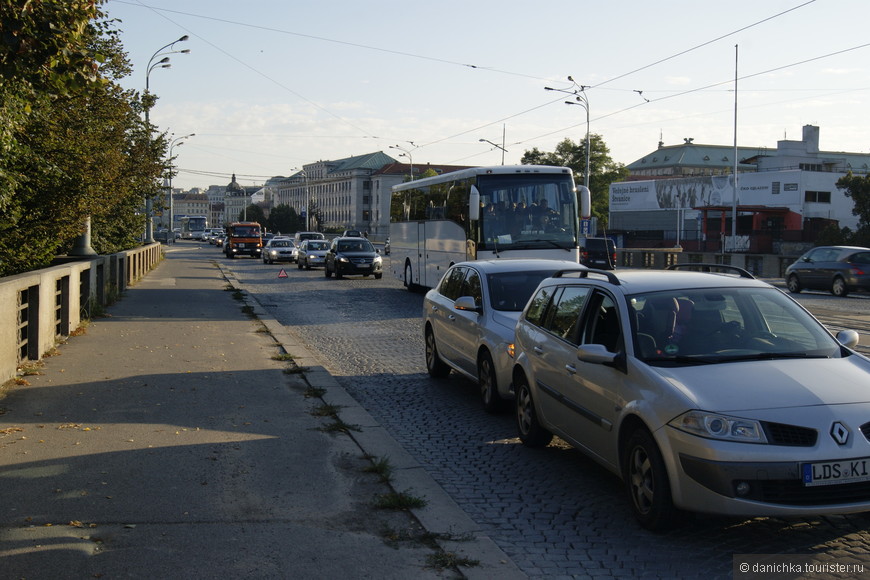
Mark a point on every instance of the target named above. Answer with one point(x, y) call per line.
point(357, 254)
point(772, 384)
point(507, 319)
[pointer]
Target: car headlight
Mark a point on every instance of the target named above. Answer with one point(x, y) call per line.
point(718, 426)
point(377, 260)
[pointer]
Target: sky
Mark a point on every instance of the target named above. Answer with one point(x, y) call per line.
point(271, 85)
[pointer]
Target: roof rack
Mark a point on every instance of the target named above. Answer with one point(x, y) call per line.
point(713, 268)
point(611, 277)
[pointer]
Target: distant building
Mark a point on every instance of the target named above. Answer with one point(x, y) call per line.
point(350, 193)
point(684, 195)
point(185, 204)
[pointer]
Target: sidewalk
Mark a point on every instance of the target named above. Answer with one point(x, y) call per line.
point(167, 442)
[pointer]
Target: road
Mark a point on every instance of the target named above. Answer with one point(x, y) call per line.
point(554, 512)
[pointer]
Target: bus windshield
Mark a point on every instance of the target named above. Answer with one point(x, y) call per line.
point(527, 211)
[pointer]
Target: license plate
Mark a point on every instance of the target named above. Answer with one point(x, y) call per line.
point(836, 472)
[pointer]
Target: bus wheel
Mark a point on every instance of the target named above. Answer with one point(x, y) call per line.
point(409, 284)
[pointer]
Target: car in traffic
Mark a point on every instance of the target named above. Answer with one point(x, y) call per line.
point(598, 253)
point(352, 234)
point(709, 391)
point(352, 256)
point(837, 269)
point(300, 237)
point(279, 250)
point(469, 320)
point(311, 254)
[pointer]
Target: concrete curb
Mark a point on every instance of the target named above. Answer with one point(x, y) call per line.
point(441, 515)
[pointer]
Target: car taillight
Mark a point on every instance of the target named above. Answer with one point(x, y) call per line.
point(856, 270)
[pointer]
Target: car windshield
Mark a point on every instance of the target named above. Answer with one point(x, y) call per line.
point(246, 232)
point(712, 325)
point(355, 246)
point(281, 244)
point(317, 245)
point(509, 291)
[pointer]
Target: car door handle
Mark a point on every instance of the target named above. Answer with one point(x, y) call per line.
point(572, 370)
point(538, 350)
point(451, 317)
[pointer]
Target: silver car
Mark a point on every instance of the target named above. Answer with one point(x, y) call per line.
point(312, 253)
point(469, 320)
point(279, 250)
point(703, 391)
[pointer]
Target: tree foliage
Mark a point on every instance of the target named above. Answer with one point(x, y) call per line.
point(858, 188)
point(72, 143)
point(283, 218)
point(603, 170)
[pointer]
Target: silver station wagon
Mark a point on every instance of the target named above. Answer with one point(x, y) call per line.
point(703, 391)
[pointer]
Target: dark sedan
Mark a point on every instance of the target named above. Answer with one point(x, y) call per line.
point(353, 256)
point(838, 269)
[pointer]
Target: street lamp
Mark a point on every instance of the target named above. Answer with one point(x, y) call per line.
point(582, 100)
point(407, 154)
point(503, 150)
point(178, 141)
point(162, 63)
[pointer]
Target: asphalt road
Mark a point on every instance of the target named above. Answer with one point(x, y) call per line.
point(554, 512)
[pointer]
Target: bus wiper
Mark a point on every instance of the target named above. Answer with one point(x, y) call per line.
point(553, 243)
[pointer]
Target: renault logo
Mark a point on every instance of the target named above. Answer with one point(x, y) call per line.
point(839, 433)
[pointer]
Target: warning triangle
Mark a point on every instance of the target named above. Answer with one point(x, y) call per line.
point(282, 273)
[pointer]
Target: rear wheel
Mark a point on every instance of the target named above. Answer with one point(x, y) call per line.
point(839, 288)
point(436, 367)
point(487, 383)
point(794, 285)
point(646, 482)
point(409, 284)
point(530, 430)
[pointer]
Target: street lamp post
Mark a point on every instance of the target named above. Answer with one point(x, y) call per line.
point(407, 154)
point(162, 63)
point(579, 93)
point(177, 142)
point(503, 150)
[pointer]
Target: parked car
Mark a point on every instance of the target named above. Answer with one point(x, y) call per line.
point(703, 391)
point(279, 250)
point(312, 253)
point(469, 320)
point(350, 256)
point(598, 253)
point(838, 269)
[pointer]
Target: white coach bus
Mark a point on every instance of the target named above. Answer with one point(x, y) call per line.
point(517, 211)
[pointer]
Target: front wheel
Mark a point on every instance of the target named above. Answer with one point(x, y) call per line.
point(326, 271)
point(839, 288)
point(531, 433)
point(378, 276)
point(486, 382)
point(298, 265)
point(409, 284)
point(646, 482)
point(436, 367)
point(794, 285)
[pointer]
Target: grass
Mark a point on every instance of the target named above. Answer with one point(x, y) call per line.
point(339, 426)
point(442, 560)
point(314, 392)
point(326, 410)
point(398, 501)
point(381, 467)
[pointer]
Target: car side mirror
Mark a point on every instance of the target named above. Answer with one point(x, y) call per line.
point(596, 354)
point(467, 303)
point(848, 338)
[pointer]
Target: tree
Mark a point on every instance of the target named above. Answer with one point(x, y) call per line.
point(858, 188)
point(603, 170)
point(253, 213)
point(72, 143)
point(284, 218)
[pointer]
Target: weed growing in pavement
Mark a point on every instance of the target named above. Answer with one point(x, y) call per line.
point(284, 356)
point(326, 410)
point(294, 370)
point(339, 426)
point(399, 500)
point(381, 467)
point(314, 392)
point(442, 560)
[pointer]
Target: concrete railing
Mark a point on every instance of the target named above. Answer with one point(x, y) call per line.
point(43, 307)
point(760, 265)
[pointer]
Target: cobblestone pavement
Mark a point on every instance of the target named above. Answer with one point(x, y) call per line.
point(554, 512)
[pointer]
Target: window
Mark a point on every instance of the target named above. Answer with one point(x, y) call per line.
point(817, 196)
point(602, 325)
point(471, 287)
point(452, 283)
point(538, 306)
point(566, 311)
